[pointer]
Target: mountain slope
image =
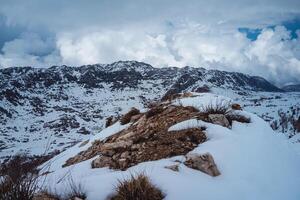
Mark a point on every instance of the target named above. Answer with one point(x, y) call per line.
point(43, 110)
point(292, 88)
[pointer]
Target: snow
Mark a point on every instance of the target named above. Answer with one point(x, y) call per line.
point(255, 163)
point(200, 101)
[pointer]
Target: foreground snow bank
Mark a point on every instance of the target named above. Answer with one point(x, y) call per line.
point(254, 161)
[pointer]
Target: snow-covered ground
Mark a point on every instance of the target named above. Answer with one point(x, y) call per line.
point(254, 161)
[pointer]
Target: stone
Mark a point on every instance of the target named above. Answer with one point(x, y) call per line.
point(135, 118)
point(202, 162)
point(125, 154)
point(125, 119)
point(236, 106)
point(219, 119)
point(174, 168)
point(102, 161)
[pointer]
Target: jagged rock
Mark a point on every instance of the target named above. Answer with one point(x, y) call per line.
point(219, 119)
point(174, 168)
point(125, 119)
point(236, 106)
point(205, 163)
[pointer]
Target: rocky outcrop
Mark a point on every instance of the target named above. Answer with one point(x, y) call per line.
point(145, 140)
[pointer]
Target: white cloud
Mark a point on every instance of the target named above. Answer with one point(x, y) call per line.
point(197, 33)
point(29, 49)
point(273, 55)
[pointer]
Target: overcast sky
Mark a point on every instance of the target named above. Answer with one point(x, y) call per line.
point(255, 37)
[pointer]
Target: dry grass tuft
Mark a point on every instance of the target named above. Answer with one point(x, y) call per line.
point(218, 108)
point(18, 177)
point(137, 188)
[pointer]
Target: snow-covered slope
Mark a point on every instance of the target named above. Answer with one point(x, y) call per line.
point(42, 110)
point(255, 163)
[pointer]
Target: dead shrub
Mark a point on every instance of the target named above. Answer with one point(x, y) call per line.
point(24, 188)
point(18, 177)
point(217, 108)
point(138, 187)
point(125, 119)
point(73, 191)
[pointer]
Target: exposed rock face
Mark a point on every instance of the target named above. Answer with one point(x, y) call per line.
point(205, 163)
point(147, 139)
point(219, 119)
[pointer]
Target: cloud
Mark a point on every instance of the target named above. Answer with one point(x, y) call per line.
point(29, 49)
point(162, 33)
point(274, 55)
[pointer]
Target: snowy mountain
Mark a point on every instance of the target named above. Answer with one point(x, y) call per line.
point(187, 149)
point(44, 110)
point(292, 88)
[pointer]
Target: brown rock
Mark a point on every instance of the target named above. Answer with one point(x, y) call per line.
point(102, 161)
point(125, 154)
point(125, 119)
point(204, 163)
point(236, 106)
point(135, 118)
point(117, 145)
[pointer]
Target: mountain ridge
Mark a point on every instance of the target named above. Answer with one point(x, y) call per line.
point(139, 70)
